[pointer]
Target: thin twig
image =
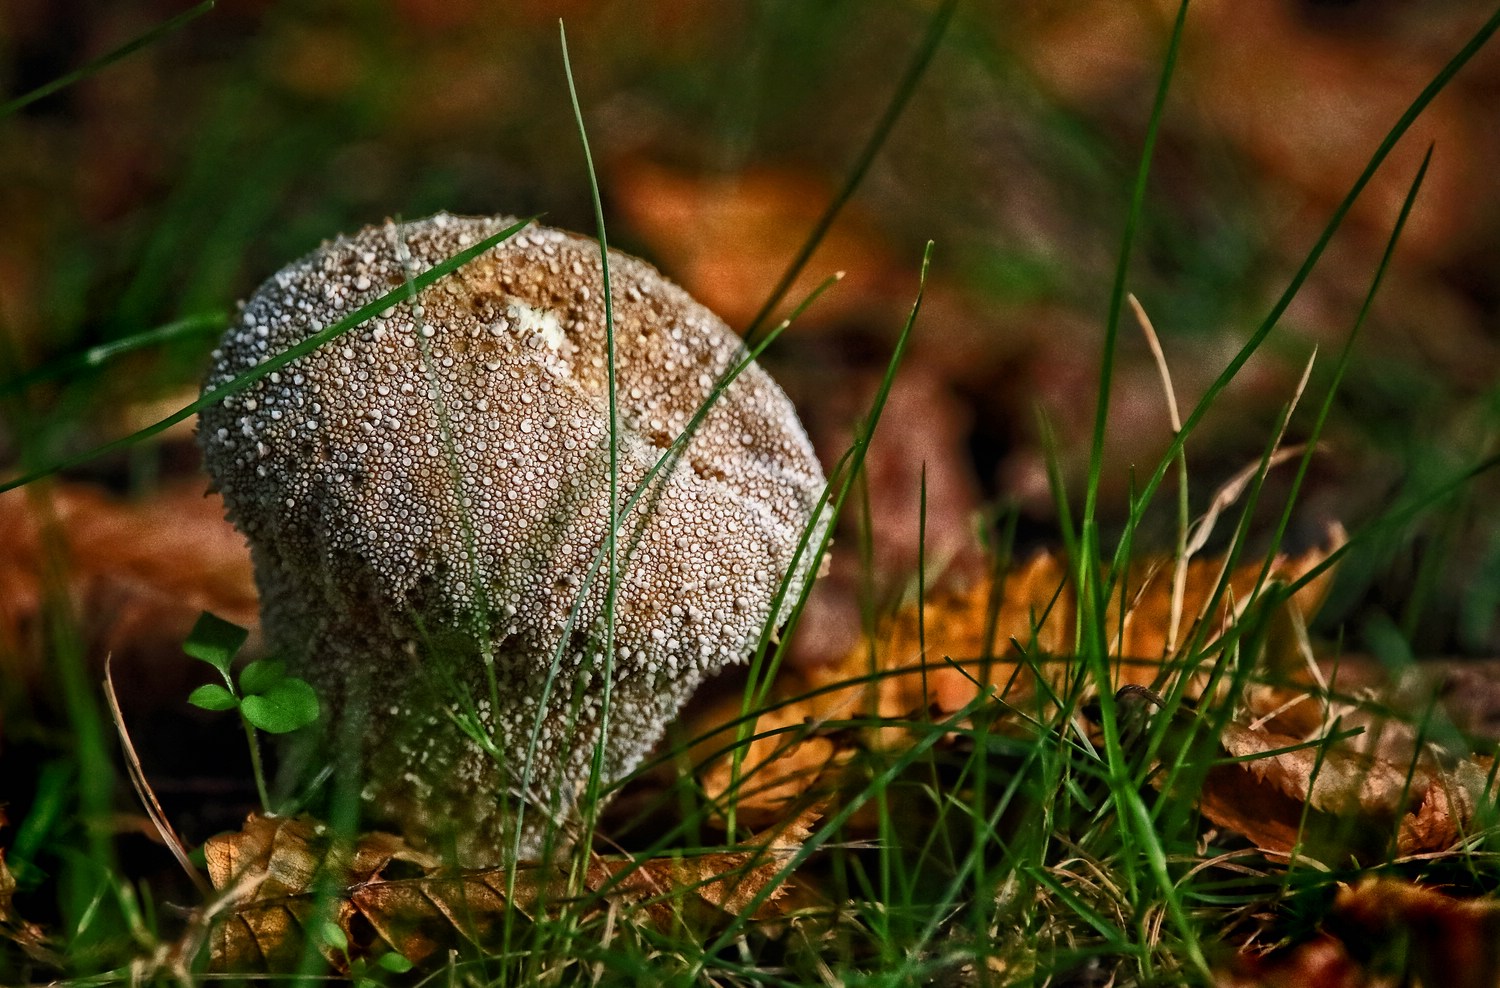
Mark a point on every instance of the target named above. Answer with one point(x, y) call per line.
point(1180, 569)
point(143, 787)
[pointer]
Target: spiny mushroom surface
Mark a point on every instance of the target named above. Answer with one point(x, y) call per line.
point(425, 496)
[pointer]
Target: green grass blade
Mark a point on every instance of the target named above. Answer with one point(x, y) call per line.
point(104, 61)
point(189, 327)
point(611, 538)
point(762, 673)
point(915, 70)
point(355, 318)
point(1440, 81)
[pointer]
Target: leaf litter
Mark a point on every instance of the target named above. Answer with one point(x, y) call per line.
point(289, 878)
point(1313, 747)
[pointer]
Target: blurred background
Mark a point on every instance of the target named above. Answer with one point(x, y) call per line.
point(171, 183)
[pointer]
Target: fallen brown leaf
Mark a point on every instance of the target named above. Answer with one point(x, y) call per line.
point(274, 866)
point(1436, 938)
point(136, 575)
point(1265, 794)
point(728, 239)
point(286, 877)
point(989, 635)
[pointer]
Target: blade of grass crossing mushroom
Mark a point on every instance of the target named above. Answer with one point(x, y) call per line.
point(666, 461)
point(669, 457)
point(937, 27)
point(107, 59)
point(468, 718)
point(762, 670)
point(275, 363)
point(612, 537)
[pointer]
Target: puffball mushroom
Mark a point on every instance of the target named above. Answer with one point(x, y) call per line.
point(426, 495)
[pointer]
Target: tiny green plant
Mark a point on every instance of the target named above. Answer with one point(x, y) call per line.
point(363, 972)
point(265, 696)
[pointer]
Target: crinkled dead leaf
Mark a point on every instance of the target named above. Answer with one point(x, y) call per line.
point(286, 875)
point(1267, 793)
point(1445, 805)
point(1327, 777)
point(287, 879)
point(993, 635)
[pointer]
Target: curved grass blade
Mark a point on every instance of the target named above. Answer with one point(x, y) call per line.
point(611, 539)
point(104, 61)
point(186, 328)
point(355, 318)
point(1403, 123)
point(915, 70)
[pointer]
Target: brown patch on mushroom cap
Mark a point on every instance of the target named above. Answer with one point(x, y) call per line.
point(425, 496)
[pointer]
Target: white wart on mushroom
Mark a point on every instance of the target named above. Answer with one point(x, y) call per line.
point(433, 488)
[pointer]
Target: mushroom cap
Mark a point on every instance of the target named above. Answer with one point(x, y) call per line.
point(426, 495)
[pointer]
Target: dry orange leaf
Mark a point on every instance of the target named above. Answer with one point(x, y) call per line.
point(1264, 795)
point(1028, 614)
point(136, 575)
point(1382, 771)
point(728, 239)
point(284, 877)
point(1446, 941)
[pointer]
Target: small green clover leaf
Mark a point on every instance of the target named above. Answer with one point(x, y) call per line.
point(214, 640)
point(394, 962)
point(258, 677)
point(288, 704)
point(212, 696)
point(265, 696)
